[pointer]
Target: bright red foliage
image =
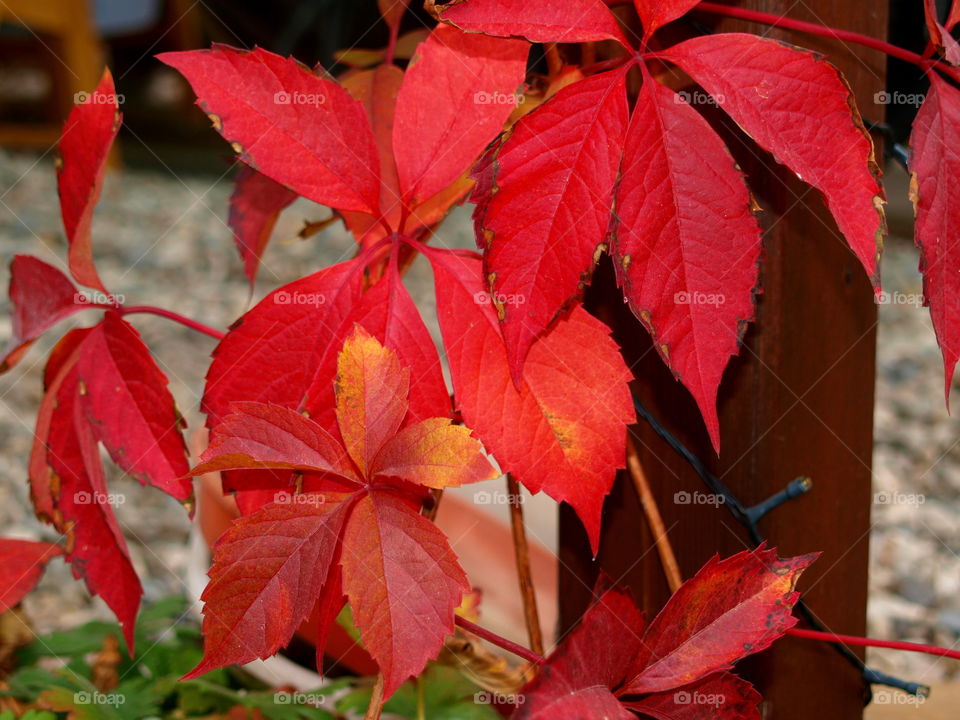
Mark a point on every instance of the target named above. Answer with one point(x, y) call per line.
point(255, 204)
point(84, 147)
point(399, 572)
point(673, 668)
point(326, 402)
point(21, 567)
point(933, 164)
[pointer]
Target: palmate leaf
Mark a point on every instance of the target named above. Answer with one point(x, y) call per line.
point(366, 540)
point(688, 263)
point(673, 668)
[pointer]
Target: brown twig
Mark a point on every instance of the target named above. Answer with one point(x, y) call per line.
point(522, 553)
point(652, 513)
point(376, 700)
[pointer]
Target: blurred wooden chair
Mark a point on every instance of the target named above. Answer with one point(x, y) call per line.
point(67, 28)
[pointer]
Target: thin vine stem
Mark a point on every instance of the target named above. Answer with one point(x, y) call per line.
point(810, 28)
point(375, 708)
point(168, 314)
point(521, 551)
point(668, 560)
point(871, 642)
point(519, 650)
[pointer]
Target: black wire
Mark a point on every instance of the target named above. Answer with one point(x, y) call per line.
point(743, 516)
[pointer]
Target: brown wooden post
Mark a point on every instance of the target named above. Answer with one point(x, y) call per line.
point(798, 401)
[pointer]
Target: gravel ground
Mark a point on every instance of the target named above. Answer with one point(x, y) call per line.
point(162, 240)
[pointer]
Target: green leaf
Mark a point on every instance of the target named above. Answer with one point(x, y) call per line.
point(448, 695)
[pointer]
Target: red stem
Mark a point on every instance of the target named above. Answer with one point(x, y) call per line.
point(870, 642)
point(508, 645)
point(815, 29)
point(170, 315)
point(392, 44)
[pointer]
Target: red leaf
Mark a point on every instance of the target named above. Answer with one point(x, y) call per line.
point(95, 546)
point(687, 244)
point(572, 21)
point(476, 79)
point(579, 677)
point(939, 35)
point(388, 312)
point(62, 359)
point(284, 350)
point(272, 353)
point(403, 582)
point(21, 567)
point(41, 296)
point(377, 90)
point(84, 146)
point(434, 453)
point(371, 390)
point(730, 609)
point(564, 430)
point(654, 14)
point(132, 413)
point(934, 166)
point(720, 695)
point(255, 205)
point(549, 205)
point(268, 570)
point(296, 127)
point(795, 105)
point(270, 436)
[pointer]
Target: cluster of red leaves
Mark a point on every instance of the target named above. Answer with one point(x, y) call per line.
point(676, 667)
point(359, 533)
point(101, 384)
point(329, 415)
point(657, 188)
